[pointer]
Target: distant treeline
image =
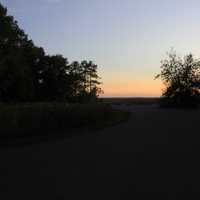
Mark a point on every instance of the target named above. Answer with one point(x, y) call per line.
point(28, 74)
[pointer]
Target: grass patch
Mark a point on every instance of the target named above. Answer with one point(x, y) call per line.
point(45, 119)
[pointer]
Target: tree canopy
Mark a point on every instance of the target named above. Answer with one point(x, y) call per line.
point(27, 73)
point(181, 78)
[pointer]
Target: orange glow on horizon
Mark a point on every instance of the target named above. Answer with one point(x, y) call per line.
point(133, 89)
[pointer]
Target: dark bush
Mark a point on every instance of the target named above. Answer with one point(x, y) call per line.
point(181, 78)
point(44, 118)
point(178, 102)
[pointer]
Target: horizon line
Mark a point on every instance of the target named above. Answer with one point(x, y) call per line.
point(129, 97)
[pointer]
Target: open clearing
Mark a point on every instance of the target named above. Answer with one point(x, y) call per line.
point(154, 154)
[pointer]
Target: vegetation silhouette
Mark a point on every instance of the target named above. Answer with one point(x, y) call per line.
point(28, 74)
point(42, 96)
point(182, 80)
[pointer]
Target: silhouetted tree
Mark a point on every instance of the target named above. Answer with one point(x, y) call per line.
point(53, 79)
point(75, 80)
point(91, 79)
point(15, 74)
point(28, 74)
point(181, 78)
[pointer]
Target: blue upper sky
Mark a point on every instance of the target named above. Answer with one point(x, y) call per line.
point(126, 38)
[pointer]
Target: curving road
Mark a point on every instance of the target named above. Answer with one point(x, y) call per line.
point(154, 155)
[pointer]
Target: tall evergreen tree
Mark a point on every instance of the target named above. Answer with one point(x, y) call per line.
point(91, 78)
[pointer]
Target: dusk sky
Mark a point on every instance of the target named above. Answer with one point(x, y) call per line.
point(126, 38)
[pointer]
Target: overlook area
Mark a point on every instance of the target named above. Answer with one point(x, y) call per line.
point(90, 105)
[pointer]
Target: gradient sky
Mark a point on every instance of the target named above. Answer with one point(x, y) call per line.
point(126, 38)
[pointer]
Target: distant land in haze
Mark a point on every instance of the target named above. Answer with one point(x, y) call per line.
point(128, 97)
point(94, 89)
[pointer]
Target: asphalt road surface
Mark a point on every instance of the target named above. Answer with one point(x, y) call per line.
point(155, 155)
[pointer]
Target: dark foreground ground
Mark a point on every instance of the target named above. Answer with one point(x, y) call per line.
point(155, 155)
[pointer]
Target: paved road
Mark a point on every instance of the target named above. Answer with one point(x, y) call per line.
point(155, 155)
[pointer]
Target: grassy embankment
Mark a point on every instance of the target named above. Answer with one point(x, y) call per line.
point(45, 119)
